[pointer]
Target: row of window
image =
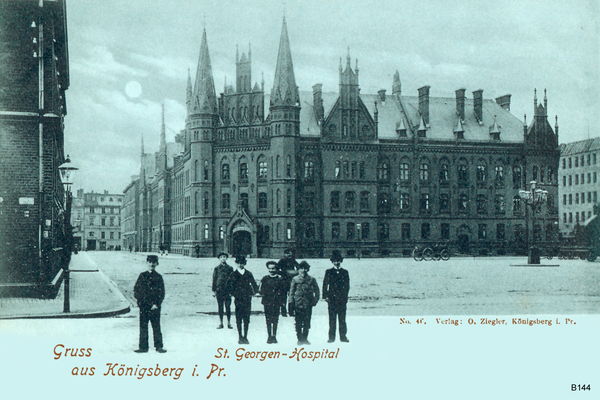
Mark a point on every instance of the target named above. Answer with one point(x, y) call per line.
point(591, 176)
point(111, 235)
point(481, 176)
point(262, 169)
point(102, 210)
point(591, 197)
point(111, 221)
point(579, 161)
point(362, 231)
point(577, 219)
point(425, 203)
point(262, 201)
point(110, 199)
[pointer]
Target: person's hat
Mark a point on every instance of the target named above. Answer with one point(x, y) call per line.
point(240, 260)
point(289, 250)
point(269, 263)
point(304, 265)
point(336, 255)
point(152, 259)
point(222, 254)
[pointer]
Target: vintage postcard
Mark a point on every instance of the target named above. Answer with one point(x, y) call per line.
point(299, 199)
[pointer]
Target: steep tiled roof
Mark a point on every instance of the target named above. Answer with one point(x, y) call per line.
point(442, 117)
point(582, 146)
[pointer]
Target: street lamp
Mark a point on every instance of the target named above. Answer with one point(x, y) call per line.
point(534, 198)
point(66, 176)
point(359, 231)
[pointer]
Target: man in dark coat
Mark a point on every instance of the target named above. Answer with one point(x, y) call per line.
point(149, 291)
point(304, 295)
point(242, 286)
point(336, 285)
point(273, 291)
point(221, 275)
point(287, 269)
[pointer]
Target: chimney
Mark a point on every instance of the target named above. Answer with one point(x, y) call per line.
point(478, 105)
point(80, 193)
point(318, 101)
point(381, 94)
point(106, 192)
point(460, 103)
point(504, 101)
point(424, 103)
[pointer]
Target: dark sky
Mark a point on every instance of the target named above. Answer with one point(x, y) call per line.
point(129, 57)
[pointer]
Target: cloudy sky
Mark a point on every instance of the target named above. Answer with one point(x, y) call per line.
point(127, 57)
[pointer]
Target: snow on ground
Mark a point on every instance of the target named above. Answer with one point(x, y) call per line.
point(392, 286)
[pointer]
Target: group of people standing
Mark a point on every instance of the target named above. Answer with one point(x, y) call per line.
point(287, 289)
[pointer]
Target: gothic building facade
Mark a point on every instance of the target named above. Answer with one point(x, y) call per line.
point(371, 174)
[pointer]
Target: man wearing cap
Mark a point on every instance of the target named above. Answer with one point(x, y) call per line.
point(221, 275)
point(287, 269)
point(336, 285)
point(242, 286)
point(273, 290)
point(304, 295)
point(149, 291)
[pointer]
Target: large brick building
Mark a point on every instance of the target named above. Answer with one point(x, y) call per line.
point(34, 77)
point(374, 174)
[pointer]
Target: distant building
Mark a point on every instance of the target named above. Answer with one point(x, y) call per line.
point(34, 76)
point(96, 220)
point(371, 174)
point(579, 185)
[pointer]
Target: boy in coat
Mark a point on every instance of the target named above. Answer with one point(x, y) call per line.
point(273, 289)
point(149, 291)
point(287, 268)
point(336, 285)
point(242, 287)
point(221, 275)
point(304, 295)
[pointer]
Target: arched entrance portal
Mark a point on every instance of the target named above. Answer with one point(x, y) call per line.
point(241, 243)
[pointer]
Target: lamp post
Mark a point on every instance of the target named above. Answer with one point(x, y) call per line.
point(534, 198)
point(359, 232)
point(66, 176)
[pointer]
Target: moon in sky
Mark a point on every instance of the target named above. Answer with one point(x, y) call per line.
point(133, 89)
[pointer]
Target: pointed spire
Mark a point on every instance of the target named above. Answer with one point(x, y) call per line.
point(545, 103)
point(188, 97)
point(204, 99)
point(163, 141)
point(397, 85)
point(142, 144)
point(535, 103)
point(285, 91)
point(348, 58)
